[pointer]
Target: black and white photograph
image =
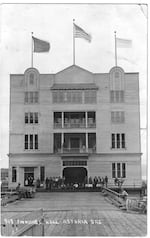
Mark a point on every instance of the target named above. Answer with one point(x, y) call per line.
point(74, 119)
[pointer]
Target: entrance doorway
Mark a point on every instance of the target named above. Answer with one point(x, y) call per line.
point(75, 174)
point(28, 176)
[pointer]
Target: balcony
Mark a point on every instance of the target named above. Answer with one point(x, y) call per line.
point(75, 150)
point(75, 143)
point(70, 120)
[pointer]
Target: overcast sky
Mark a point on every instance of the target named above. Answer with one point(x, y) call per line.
point(54, 23)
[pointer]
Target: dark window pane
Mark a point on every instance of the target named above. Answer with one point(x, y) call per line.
point(31, 78)
point(14, 174)
point(113, 140)
point(42, 173)
point(26, 117)
point(31, 117)
point(113, 170)
point(123, 170)
point(26, 142)
point(123, 140)
point(31, 141)
point(36, 117)
point(36, 142)
point(118, 170)
point(118, 140)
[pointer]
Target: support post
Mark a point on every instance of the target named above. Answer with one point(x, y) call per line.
point(73, 43)
point(86, 141)
point(115, 50)
point(31, 49)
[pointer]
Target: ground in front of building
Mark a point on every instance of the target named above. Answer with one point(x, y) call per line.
point(80, 214)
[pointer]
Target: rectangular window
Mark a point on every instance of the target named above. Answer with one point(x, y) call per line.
point(123, 140)
point(117, 117)
point(68, 96)
point(26, 118)
point(116, 96)
point(118, 170)
point(90, 96)
point(118, 140)
point(36, 142)
point(76, 97)
point(31, 117)
point(31, 97)
point(123, 170)
point(113, 140)
point(74, 163)
point(113, 170)
point(36, 117)
point(26, 97)
point(14, 174)
point(36, 97)
point(31, 142)
point(26, 142)
point(55, 96)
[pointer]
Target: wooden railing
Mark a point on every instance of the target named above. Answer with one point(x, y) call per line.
point(133, 204)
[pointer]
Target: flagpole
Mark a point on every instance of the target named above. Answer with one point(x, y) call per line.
point(73, 44)
point(31, 49)
point(115, 49)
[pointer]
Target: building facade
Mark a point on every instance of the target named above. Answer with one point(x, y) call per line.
point(75, 124)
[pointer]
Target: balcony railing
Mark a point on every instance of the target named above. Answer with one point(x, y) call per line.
point(75, 150)
point(75, 125)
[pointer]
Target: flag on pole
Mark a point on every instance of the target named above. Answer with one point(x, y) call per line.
point(40, 46)
point(80, 33)
point(123, 43)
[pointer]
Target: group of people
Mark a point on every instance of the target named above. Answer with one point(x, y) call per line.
point(118, 182)
point(29, 181)
point(62, 182)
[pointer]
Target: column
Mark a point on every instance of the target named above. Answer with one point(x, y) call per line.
point(62, 119)
point(86, 141)
point(86, 120)
point(18, 175)
point(62, 141)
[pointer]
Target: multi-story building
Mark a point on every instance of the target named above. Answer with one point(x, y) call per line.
point(75, 124)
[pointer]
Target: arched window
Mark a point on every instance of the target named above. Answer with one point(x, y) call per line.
point(116, 78)
point(31, 79)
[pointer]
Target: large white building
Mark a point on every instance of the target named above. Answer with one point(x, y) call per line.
point(74, 124)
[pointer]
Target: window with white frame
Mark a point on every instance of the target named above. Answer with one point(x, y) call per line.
point(118, 141)
point(31, 141)
point(118, 170)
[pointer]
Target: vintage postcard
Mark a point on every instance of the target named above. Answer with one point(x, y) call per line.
point(74, 119)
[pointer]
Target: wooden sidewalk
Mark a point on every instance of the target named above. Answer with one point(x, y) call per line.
point(80, 214)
